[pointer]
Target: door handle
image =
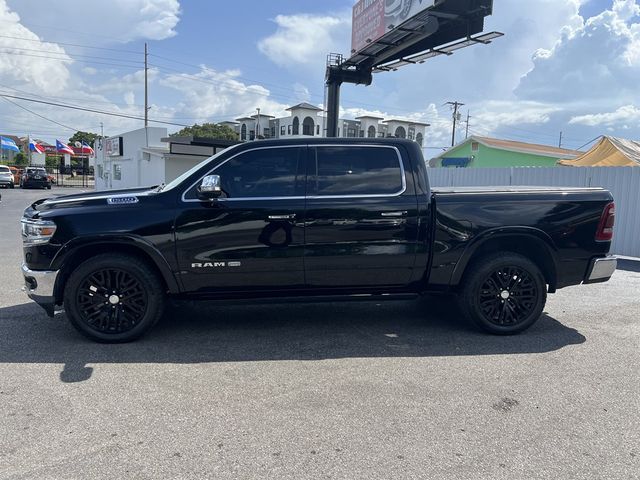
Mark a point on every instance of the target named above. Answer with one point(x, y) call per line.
point(290, 216)
point(394, 214)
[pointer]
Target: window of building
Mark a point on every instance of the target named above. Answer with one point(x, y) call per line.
point(289, 129)
point(351, 133)
point(371, 132)
point(317, 129)
point(117, 171)
point(243, 132)
point(419, 139)
point(412, 133)
point(276, 172)
point(475, 146)
point(308, 126)
point(357, 171)
point(401, 132)
point(267, 133)
point(100, 171)
point(361, 133)
point(283, 130)
point(296, 126)
point(252, 134)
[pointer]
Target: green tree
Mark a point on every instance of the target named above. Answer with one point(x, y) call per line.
point(86, 137)
point(207, 130)
point(20, 159)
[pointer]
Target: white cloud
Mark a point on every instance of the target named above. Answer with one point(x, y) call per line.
point(119, 20)
point(306, 39)
point(621, 117)
point(599, 60)
point(30, 61)
point(212, 95)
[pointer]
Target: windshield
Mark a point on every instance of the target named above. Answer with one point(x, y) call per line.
point(188, 173)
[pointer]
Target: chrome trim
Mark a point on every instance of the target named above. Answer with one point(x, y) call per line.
point(45, 283)
point(314, 197)
point(603, 268)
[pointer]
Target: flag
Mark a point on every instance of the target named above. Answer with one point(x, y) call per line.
point(36, 147)
point(8, 144)
point(87, 149)
point(63, 148)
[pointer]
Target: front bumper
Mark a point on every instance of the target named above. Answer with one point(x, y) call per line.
point(40, 287)
point(601, 269)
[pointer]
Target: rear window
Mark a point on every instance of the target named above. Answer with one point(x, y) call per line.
point(347, 171)
point(5, 169)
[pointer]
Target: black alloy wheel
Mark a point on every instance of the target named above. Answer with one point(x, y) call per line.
point(508, 295)
point(503, 294)
point(114, 298)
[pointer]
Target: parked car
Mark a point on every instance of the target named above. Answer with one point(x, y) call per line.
point(321, 219)
point(35, 177)
point(6, 177)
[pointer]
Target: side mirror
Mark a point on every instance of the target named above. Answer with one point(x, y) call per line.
point(210, 188)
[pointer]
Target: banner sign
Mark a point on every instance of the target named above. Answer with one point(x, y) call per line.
point(372, 19)
point(113, 146)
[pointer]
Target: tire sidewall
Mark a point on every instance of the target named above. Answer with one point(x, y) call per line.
point(482, 269)
point(135, 267)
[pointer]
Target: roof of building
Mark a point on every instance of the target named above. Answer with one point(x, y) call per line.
point(609, 152)
point(370, 116)
point(410, 122)
point(306, 106)
point(513, 146)
point(262, 115)
point(244, 119)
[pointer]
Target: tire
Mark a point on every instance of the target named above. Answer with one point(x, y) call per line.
point(503, 294)
point(11, 186)
point(48, 187)
point(107, 317)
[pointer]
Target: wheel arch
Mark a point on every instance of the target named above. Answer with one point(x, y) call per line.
point(531, 243)
point(80, 250)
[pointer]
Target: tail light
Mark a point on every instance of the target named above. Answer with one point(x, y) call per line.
point(607, 221)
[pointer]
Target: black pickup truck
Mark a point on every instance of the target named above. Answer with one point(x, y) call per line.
point(319, 219)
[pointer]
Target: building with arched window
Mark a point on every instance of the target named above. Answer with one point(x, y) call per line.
point(309, 121)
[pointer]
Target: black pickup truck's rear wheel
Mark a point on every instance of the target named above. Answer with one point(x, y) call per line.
point(503, 294)
point(113, 298)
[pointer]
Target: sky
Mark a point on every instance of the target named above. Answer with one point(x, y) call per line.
point(568, 66)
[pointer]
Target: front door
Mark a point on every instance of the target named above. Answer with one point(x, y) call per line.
point(362, 218)
point(253, 237)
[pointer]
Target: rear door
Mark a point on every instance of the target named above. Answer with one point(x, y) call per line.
point(361, 220)
point(253, 238)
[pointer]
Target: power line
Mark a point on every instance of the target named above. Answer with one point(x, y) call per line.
point(38, 40)
point(65, 54)
point(69, 60)
point(41, 116)
point(76, 107)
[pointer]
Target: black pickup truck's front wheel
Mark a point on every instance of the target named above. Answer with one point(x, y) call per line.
point(503, 294)
point(113, 298)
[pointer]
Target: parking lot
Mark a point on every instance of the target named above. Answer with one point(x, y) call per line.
point(378, 391)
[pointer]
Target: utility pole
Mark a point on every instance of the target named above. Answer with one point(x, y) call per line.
point(466, 135)
point(456, 105)
point(560, 142)
point(146, 85)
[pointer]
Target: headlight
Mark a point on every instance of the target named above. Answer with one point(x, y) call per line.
point(37, 232)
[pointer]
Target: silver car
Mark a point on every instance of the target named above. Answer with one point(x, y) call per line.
point(6, 177)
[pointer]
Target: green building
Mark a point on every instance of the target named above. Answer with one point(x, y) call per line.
point(484, 152)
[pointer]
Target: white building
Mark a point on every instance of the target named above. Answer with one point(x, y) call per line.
point(147, 157)
point(308, 120)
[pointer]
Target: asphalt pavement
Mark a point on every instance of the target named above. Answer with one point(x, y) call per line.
point(402, 390)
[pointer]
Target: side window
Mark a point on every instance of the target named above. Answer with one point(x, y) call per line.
point(357, 171)
point(269, 172)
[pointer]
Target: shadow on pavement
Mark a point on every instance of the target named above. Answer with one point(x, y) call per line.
point(205, 332)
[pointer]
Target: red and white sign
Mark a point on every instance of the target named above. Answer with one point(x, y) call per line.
point(372, 19)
